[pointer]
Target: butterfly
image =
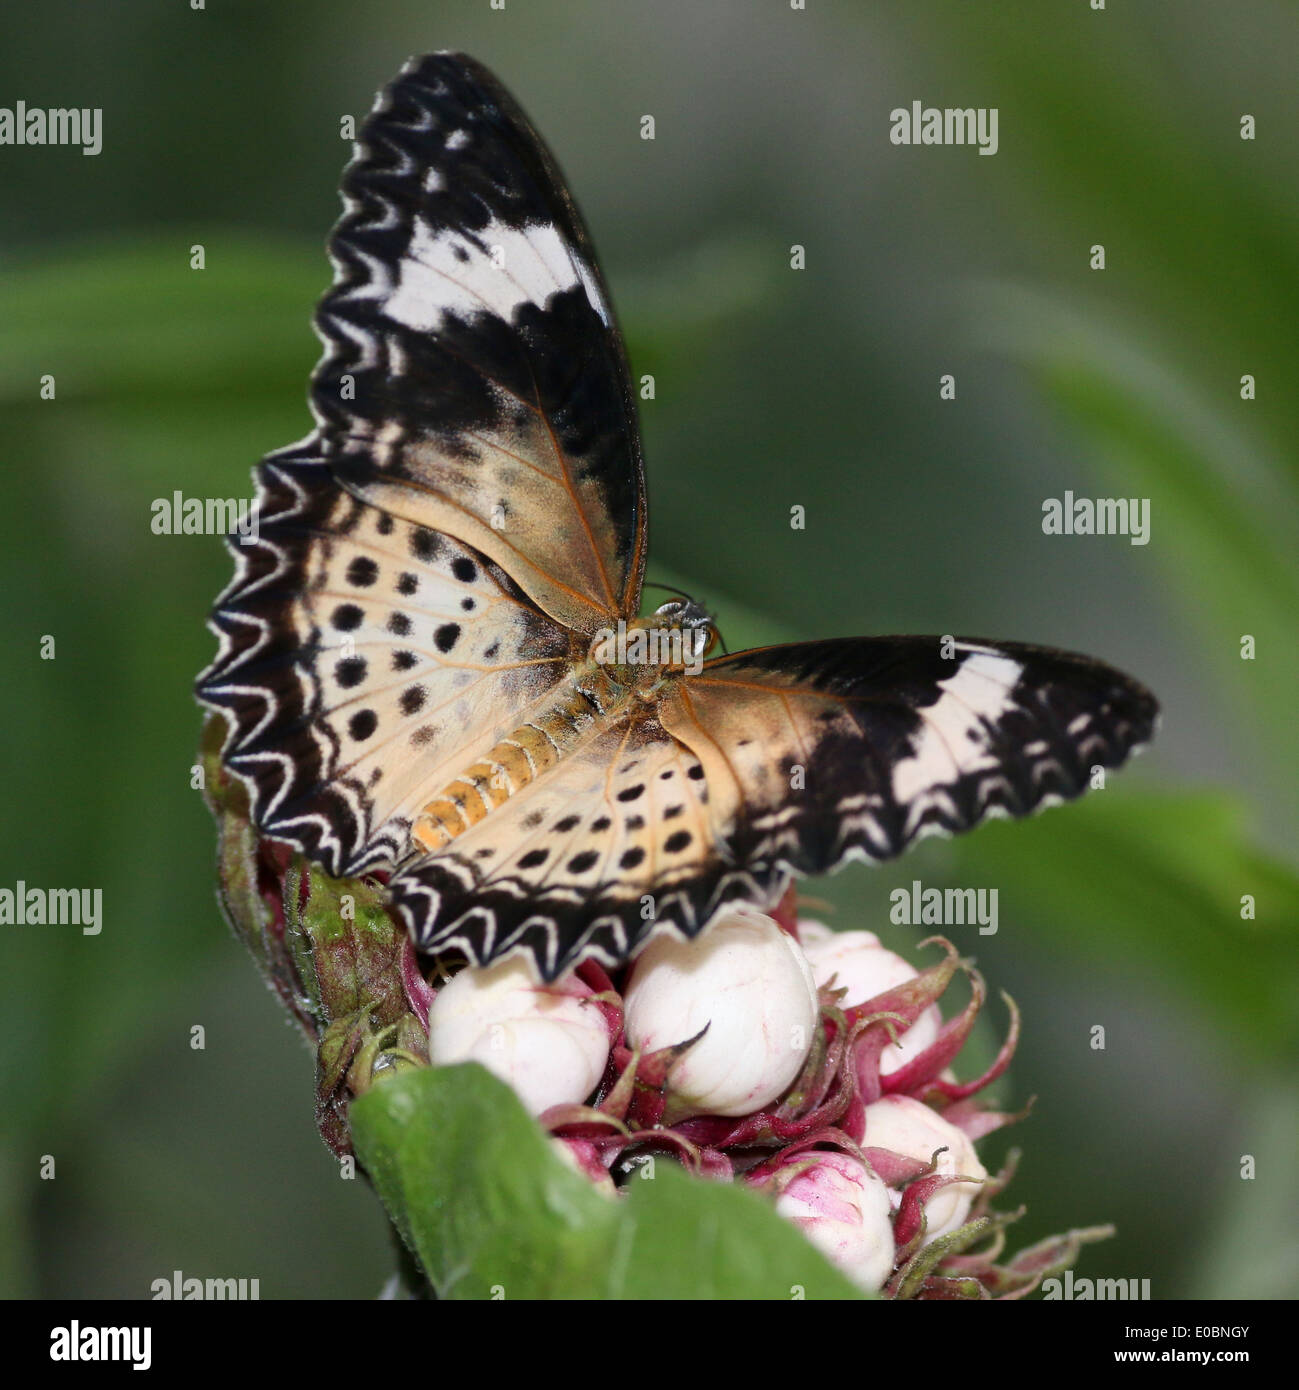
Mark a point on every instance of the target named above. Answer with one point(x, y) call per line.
point(431, 662)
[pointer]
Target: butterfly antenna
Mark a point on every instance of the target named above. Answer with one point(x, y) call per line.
point(668, 589)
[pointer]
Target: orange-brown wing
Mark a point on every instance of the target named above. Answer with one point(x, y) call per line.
point(821, 752)
point(474, 380)
point(364, 662)
point(588, 860)
point(787, 760)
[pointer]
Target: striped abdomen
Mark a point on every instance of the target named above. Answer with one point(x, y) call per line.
point(579, 710)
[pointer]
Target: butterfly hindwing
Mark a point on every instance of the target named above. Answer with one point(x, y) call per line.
point(363, 660)
point(820, 752)
point(776, 762)
point(474, 379)
point(615, 841)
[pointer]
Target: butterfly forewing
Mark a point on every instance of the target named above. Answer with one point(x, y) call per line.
point(474, 379)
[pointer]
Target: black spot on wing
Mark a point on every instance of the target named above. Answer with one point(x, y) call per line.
point(362, 724)
point(362, 572)
point(350, 671)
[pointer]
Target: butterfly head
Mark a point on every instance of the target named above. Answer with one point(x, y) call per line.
point(646, 652)
point(694, 621)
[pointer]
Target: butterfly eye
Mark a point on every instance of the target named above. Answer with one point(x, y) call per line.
point(672, 611)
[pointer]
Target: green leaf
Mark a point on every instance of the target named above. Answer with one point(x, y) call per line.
point(692, 1238)
point(467, 1180)
point(478, 1195)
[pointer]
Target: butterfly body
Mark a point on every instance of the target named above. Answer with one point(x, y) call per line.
point(432, 661)
point(594, 698)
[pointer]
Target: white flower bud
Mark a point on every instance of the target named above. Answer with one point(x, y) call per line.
point(910, 1127)
point(750, 983)
point(543, 1040)
point(812, 933)
point(845, 1212)
point(857, 962)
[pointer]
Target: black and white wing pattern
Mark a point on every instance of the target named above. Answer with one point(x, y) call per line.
point(474, 380)
point(817, 753)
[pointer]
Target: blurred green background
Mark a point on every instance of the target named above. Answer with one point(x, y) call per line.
point(774, 387)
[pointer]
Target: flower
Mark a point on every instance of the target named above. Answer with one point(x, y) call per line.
point(584, 1157)
point(546, 1042)
point(742, 995)
point(793, 1121)
point(844, 1210)
point(910, 1128)
point(857, 962)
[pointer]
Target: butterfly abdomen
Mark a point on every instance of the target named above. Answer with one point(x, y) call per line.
point(582, 707)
